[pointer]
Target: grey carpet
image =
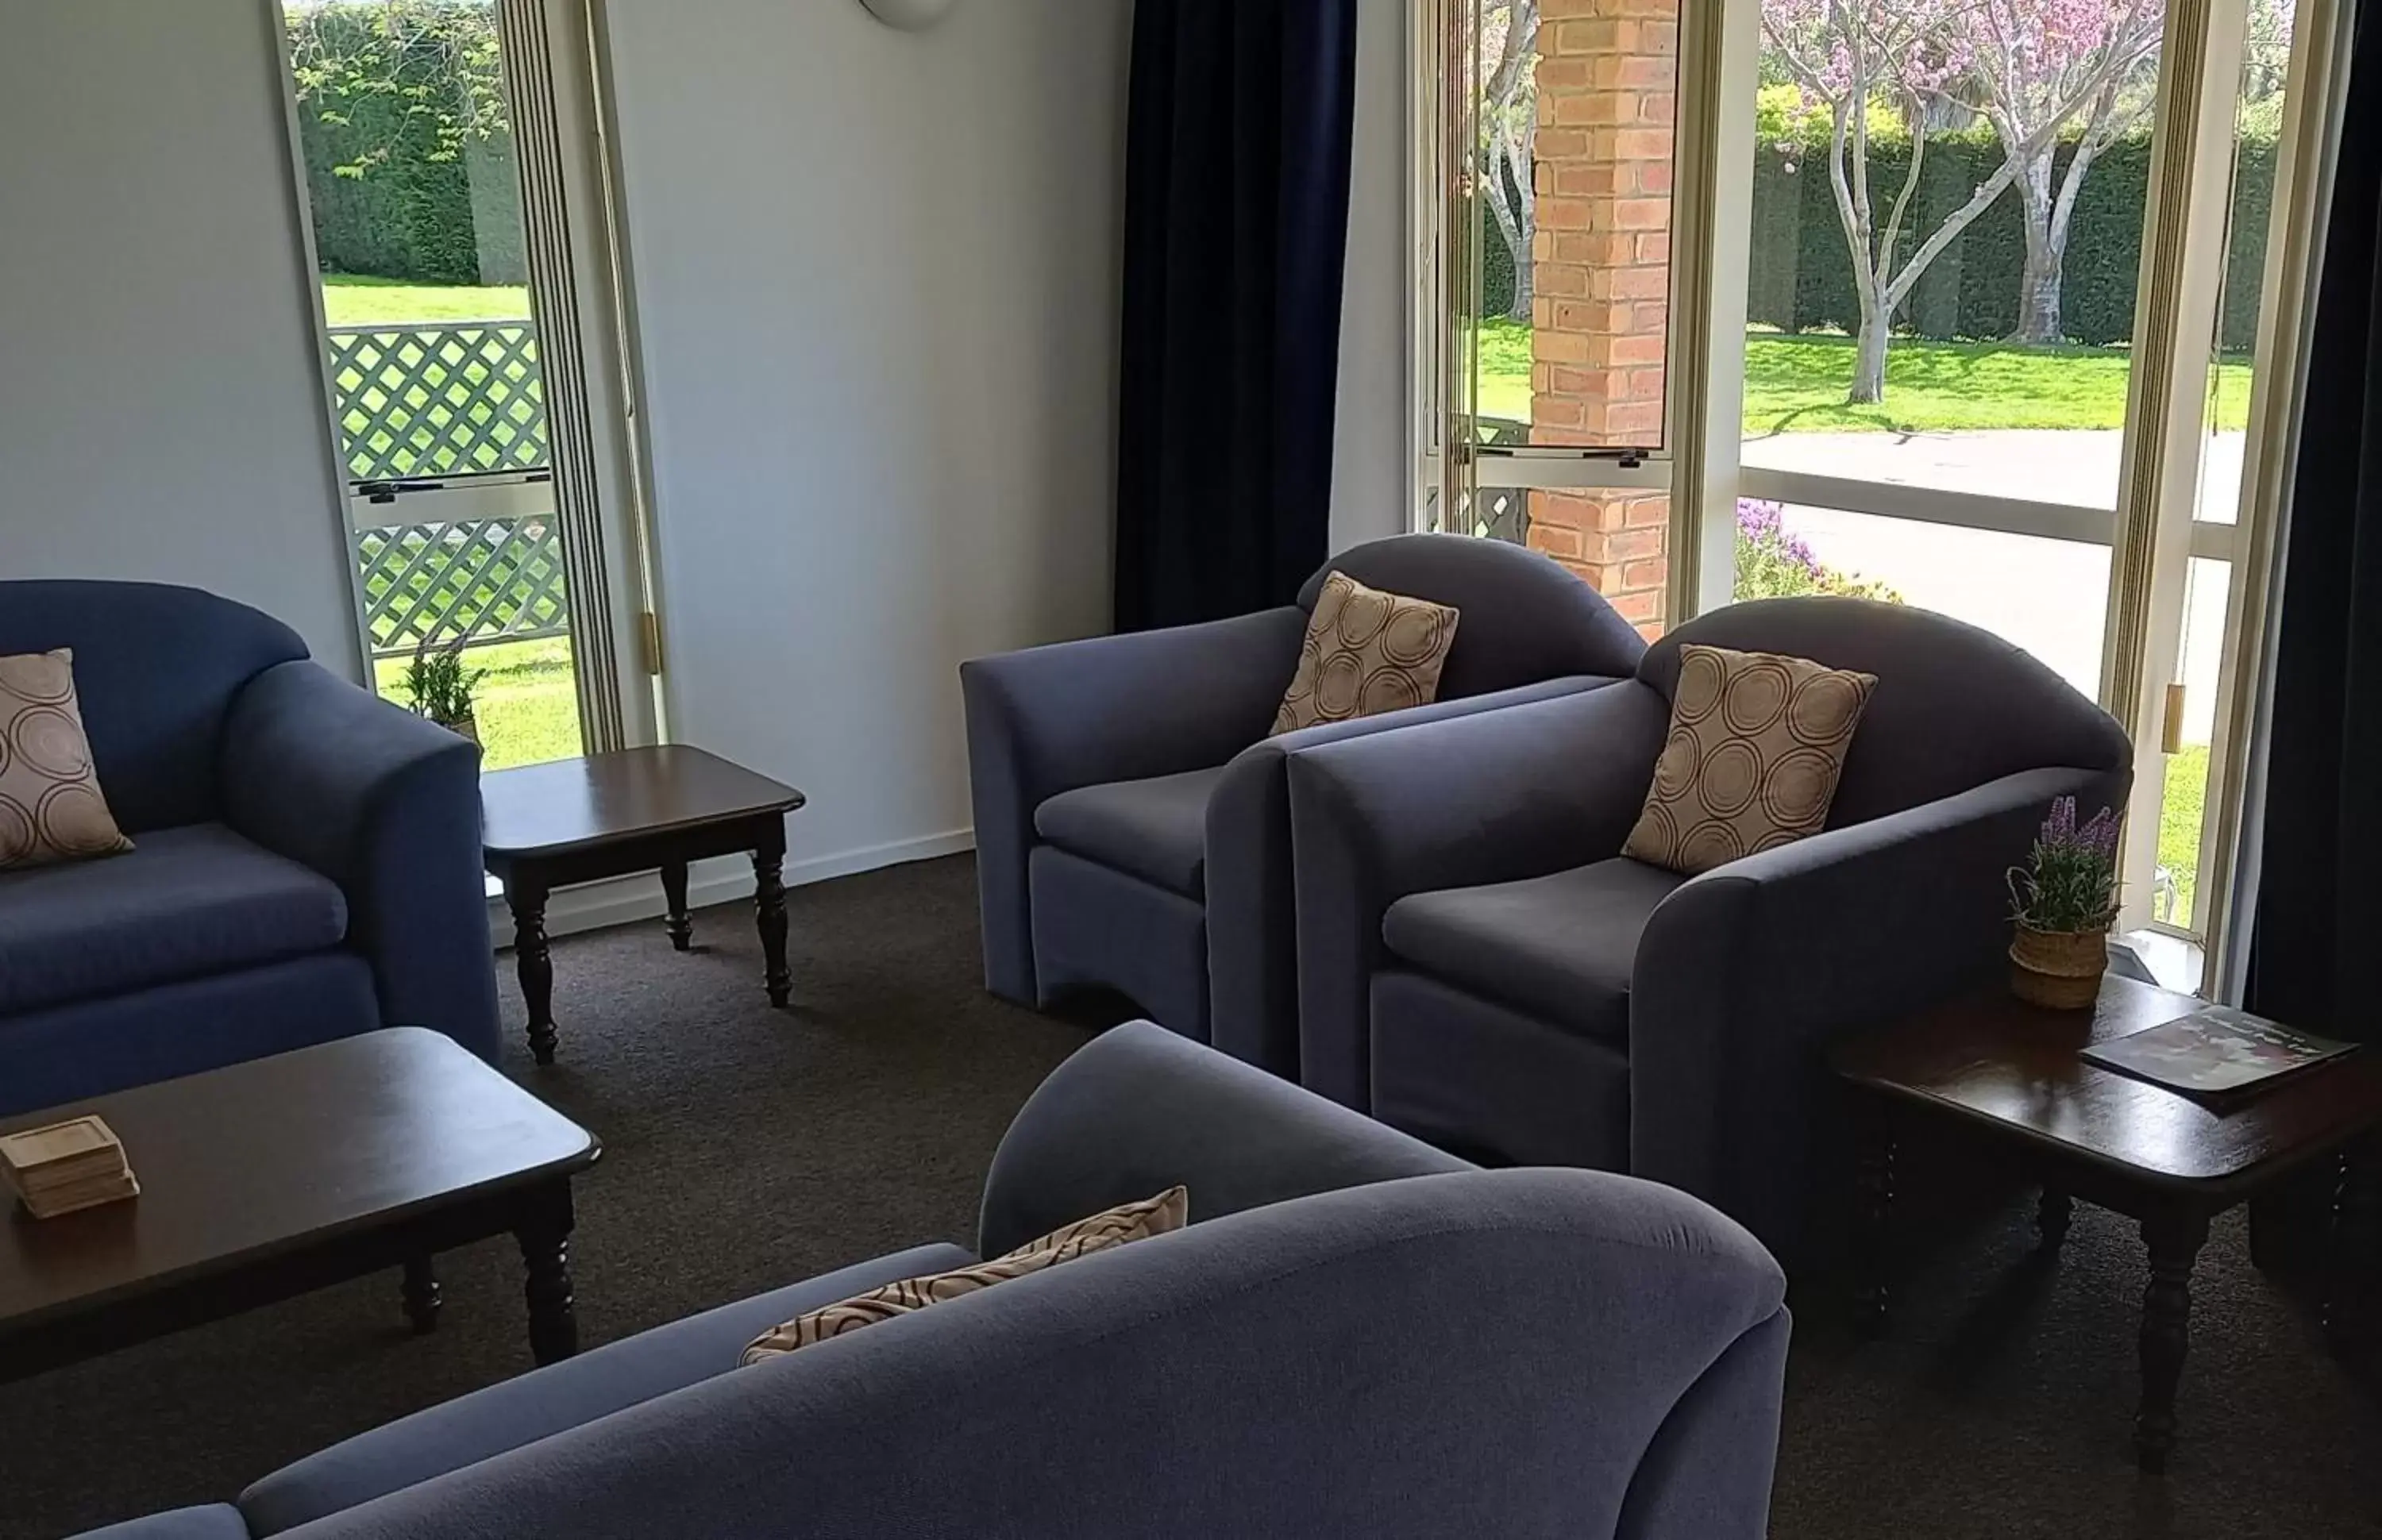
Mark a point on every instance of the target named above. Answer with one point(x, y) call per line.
point(746, 1147)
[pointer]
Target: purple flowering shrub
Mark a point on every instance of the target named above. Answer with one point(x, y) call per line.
point(1773, 564)
point(2069, 882)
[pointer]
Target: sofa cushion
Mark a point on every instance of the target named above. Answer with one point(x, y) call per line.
point(1156, 829)
point(50, 806)
point(517, 1412)
point(1756, 748)
point(1560, 949)
point(1366, 652)
point(187, 903)
point(1110, 1227)
point(215, 1521)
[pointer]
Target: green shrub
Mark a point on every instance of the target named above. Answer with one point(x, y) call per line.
point(397, 190)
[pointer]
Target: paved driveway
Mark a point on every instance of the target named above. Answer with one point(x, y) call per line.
point(2049, 596)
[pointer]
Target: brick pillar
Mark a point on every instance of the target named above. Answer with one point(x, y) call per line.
point(1601, 275)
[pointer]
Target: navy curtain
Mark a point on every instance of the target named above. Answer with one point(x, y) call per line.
point(2319, 905)
point(1236, 231)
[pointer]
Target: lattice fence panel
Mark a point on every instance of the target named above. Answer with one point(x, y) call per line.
point(428, 401)
point(494, 580)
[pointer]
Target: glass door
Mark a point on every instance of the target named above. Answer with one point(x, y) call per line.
point(1946, 242)
point(470, 498)
point(1549, 337)
point(2002, 277)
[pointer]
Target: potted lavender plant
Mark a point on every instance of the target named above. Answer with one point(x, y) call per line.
point(2065, 899)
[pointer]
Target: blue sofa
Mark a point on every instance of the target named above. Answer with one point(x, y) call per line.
point(1357, 1335)
point(306, 861)
point(1132, 817)
point(1480, 966)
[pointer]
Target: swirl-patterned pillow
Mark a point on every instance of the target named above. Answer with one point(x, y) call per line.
point(1366, 652)
point(1157, 1215)
point(1756, 749)
point(51, 809)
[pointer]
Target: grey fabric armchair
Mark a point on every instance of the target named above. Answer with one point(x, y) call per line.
point(1357, 1335)
point(1133, 818)
point(1479, 965)
point(306, 861)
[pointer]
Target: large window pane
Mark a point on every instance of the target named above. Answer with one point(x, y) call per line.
point(2045, 595)
point(1946, 236)
point(1567, 200)
point(2257, 133)
point(2182, 806)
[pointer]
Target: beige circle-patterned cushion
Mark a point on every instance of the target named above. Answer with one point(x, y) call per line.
point(1756, 748)
point(1366, 652)
point(51, 809)
point(1167, 1211)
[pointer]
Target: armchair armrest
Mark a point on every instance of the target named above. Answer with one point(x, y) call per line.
point(1109, 708)
point(1495, 798)
point(387, 806)
point(1747, 972)
point(1141, 1108)
point(1252, 898)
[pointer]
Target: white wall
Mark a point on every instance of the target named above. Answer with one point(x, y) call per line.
point(161, 412)
point(1370, 475)
point(875, 279)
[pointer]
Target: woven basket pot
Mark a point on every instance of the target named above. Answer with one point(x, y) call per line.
point(465, 728)
point(2058, 969)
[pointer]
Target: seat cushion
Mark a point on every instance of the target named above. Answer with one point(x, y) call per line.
point(1559, 948)
point(185, 903)
point(215, 1521)
point(1155, 829)
point(513, 1412)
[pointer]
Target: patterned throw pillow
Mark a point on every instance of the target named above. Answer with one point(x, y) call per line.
point(1100, 1233)
point(1756, 748)
point(1366, 652)
point(51, 809)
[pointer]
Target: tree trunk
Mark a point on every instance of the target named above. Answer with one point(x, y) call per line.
point(1869, 367)
point(2038, 289)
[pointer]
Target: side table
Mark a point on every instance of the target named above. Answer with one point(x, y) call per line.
point(2008, 1077)
point(545, 826)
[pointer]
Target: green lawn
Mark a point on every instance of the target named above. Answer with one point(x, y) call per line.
point(2180, 808)
point(527, 710)
point(1797, 384)
point(351, 300)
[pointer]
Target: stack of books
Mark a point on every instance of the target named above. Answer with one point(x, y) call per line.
point(74, 1165)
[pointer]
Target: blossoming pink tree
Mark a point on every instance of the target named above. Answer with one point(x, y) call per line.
point(2087, 69)
point(2037, 63)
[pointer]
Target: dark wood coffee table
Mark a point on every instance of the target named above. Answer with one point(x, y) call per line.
point(270, 1178)
point(611, 815)
point(2009, 1075)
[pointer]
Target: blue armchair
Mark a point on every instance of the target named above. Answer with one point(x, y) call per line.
point(306, 861)
point(1480, 966)
point(1356, 1336)
point(1132, 817)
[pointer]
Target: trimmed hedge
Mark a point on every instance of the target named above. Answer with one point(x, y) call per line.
point(1802, 272)
point(409, 215)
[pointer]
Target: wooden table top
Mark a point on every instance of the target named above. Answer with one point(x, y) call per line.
point(240, 1164)
point(1994, 1060)
point(576, 803)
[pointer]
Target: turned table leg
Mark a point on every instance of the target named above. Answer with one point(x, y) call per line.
point(2350, 1262)
point(2174, 1237)
point(1873, 1223)
point(679, 923)
point(769, 913)
point(535, 963)
point(545, 1239)
point(2053, 1216)
point(421, 1294)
